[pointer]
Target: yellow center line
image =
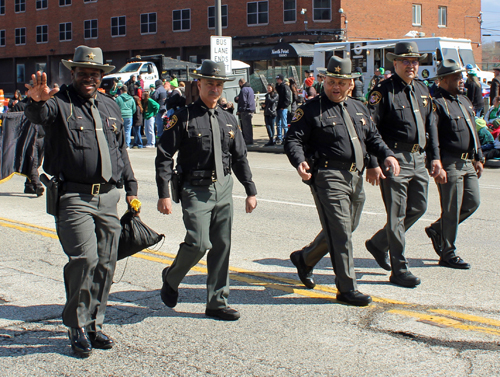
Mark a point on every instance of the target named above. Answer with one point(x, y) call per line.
point(441, 316)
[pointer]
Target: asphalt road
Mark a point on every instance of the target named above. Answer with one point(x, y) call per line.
point(448, 326)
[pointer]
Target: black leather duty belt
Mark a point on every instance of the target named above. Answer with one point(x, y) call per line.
point(405, 147)
point(87, 188)
point(462, 156)
point(202, 177)
point(332, 164)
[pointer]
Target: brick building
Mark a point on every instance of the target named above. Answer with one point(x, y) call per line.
point(37, 34)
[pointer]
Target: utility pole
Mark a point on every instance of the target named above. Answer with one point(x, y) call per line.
point(218, 18)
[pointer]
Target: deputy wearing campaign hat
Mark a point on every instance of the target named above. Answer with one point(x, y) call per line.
point(462, 159)
point(85, 152)
point(327, 143)
point(210, 147)
point(401, 108)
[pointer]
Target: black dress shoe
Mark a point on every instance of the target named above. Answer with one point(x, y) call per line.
point(29, 190)
point(304, 272)
point(435, 238)
point(168, 295)
point(80, 342)
point(226, 314)
point(39, 191)
point(406, 279)
point(100, 340)
point(355, 298)
point(455, 262)
point(269, 143)
point(381, 257)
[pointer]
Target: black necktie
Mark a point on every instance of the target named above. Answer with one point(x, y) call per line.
point(469, 123)
point(356, 144)
point(217, 147)
point(106, 170)
point(418, 118)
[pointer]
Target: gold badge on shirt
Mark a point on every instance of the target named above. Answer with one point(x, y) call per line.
point(231, 134)
point(375, 98)
point(425, 101)
point(298, 115)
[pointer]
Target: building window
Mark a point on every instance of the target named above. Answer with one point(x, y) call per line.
point(90, 1)
point(148, 23)
point(181, 20)
point(20, 36)
point(64, 3)
point(442, 16)
point(65, 31)
point(20, 77)
point(118, 28)
point(193, 59)
point(322, 10)
point(257, 13)
point(211, 17)
point(416, 18)
point(289, 11)
point(2, 6)
point(41, 4)
point(90, 29)
point(42, 34)
point(2, 38)
point(20, 6)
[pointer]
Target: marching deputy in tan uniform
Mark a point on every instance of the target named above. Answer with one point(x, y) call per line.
point(462, 160)
point(85, 153)
point(210, 145)
point(327, 144)
point(401, 107)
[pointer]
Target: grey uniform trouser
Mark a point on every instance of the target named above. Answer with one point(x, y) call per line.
point(405, 199)
point(339, 198)
point(208, 217)
point(89, 231)
point(459, 199)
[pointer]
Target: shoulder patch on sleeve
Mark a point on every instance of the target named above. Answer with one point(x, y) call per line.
point(375, 98)
point(298, 115)
point(172, 122)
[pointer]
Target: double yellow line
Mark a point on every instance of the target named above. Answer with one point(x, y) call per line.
point(425, 314)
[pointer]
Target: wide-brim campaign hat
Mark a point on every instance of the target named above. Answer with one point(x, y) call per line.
point(212, 70)
point(339, 68)
point(448, 67)
point(88, 57)
point(405, 50)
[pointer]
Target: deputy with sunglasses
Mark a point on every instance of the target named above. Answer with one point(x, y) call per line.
point(327, 144)
point(401, 108)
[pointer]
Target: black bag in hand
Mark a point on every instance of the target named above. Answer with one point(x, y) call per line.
point(136, 236)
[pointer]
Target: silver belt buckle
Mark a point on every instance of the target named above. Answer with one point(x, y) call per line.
point(96, 187)
point(353, 167)
point(415, 148)
point(464, 156)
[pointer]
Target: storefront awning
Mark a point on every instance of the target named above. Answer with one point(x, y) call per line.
point(280, 51)
point(330, 48)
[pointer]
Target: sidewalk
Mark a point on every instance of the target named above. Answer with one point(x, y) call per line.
point(260, 137)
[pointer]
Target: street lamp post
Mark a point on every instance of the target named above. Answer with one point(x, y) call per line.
point(218, 17)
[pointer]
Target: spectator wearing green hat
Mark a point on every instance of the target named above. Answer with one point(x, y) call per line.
point(485, 138)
